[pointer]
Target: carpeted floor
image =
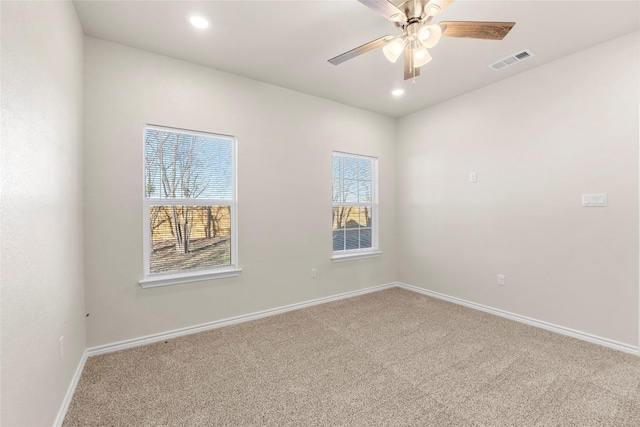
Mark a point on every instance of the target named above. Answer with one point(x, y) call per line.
point(390, 358)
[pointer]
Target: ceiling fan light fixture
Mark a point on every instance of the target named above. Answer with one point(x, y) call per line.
point(429, 35)
point(432, 10)
point(393, 49)
point(435, 7)
point(421, 56)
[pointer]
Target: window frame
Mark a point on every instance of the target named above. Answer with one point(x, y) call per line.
point(374, 250)
point(151, 280)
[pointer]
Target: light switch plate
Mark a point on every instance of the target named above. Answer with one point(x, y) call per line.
point(594, 200)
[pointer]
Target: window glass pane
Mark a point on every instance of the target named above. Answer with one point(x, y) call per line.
point(189, 237)
point(350, 191)
point(364, 169)
point(179, 165)
point(364, 191)
point(337, 191)
point(336, 168)
point(339, 217)
point(353, 217)
point(350, 165)
point(338, 240)
point(365, 216)
point(352, 239)
point(365, 238)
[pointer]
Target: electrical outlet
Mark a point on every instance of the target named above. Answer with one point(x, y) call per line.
point(473, 177)
point(314, 273)
point(60, 347)
point(501, 279)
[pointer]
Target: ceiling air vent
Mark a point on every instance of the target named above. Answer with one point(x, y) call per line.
point(512, 59)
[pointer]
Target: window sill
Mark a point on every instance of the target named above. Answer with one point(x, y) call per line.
point(178, 278)
point(354, 256)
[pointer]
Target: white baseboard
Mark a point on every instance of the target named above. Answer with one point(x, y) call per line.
point(616, 345)
point(135, 342)
point(72, 388)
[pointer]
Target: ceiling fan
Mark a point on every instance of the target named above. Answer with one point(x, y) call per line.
point(418, 34)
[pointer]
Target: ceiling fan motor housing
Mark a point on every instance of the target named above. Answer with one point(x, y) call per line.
point(413, 8)
point(403, 25)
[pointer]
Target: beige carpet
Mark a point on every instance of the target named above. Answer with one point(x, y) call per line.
point(391, 358)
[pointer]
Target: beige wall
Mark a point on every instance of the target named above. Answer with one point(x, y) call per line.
point(537, 142)
point(41, 225)
point(285, 140)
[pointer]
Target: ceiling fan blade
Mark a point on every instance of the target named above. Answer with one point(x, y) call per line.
point(386, 9)
point(360, 50)
point(409, 71)
point(476, 30)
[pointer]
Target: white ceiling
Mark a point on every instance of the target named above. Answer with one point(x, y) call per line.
point(288, 43)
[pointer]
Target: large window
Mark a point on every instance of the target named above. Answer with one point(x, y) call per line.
point(355, 205)
point(189, 206)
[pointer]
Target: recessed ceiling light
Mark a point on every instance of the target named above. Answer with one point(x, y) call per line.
point(199, 21)
point(397, 92)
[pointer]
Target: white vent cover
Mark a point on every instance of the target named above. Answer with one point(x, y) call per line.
point(512, 59)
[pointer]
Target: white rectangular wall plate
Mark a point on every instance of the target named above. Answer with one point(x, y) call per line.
point(594, 200)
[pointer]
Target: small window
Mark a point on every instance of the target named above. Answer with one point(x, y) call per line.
point(189, 206)
point(355, 204)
